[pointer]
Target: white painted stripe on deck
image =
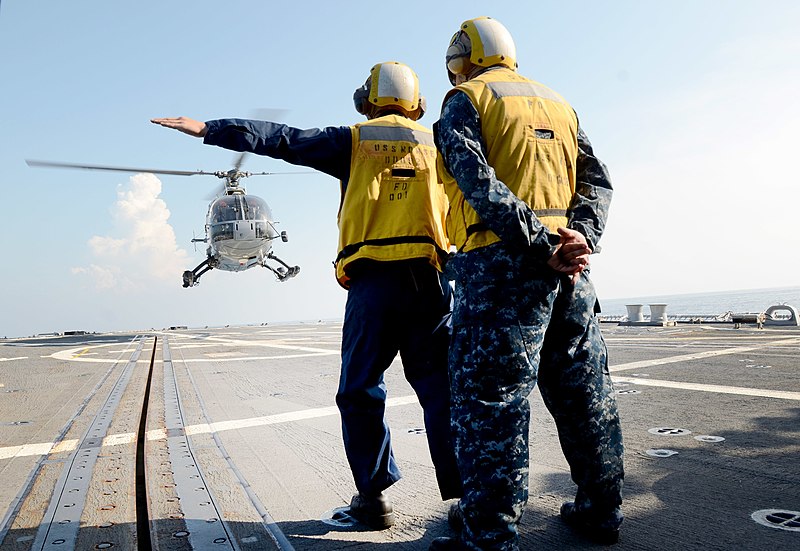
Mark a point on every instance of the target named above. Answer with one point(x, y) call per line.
point(251, 358)
point(700, 355)
point(285, 417)
point(80, 354)
point(69, 445)
point(741, 391)
point(203, 428)
point(26, 450)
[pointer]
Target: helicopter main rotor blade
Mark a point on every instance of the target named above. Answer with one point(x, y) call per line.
point(216, 192)
point(239, 161)
point(51, 164)
point(278, 173)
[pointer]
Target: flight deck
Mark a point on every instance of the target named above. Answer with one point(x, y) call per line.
point(229, 438)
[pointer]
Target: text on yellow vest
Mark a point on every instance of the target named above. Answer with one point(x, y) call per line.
point(393, 207)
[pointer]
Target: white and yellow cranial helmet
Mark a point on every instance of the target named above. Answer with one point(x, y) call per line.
point(390, 85)
point(482, 42)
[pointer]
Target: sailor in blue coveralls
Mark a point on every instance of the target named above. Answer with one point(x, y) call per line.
point(392, 249)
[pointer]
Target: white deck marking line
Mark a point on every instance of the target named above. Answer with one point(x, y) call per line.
point(279, 346)
point(287, 417)
point(76, 354)
point(309, 352)
point(699, 355)
point(203, 428)
point(660, 340)
point(295, 347)
point(299, 415)
point(114, 439)
point(30, 449)
point(79, 354)
point(250, 358)
point(741, 391)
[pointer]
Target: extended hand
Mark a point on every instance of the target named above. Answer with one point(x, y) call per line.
point(184, 124)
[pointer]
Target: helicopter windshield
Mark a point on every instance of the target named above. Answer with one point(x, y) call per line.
point(255, 208)
point(239, 207)
point(227, 214)
point(226, 209)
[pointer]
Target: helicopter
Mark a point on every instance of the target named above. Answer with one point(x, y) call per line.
point(239, 228)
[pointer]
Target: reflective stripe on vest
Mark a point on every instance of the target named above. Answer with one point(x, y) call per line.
point(523, 89)
point(393, 207)
point(395, 134)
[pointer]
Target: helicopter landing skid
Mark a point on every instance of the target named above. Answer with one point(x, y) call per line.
point(284, 271)
point(191, 277)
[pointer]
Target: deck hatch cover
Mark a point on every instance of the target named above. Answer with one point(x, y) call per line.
point(669, 431)
point(776, 518)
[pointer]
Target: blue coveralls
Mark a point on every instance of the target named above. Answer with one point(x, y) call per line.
point(518, 322)
point(391, 307)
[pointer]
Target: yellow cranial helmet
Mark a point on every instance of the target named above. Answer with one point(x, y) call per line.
point(390, 86)
point(481, 42)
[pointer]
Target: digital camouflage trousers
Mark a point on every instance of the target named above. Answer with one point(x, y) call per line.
point(510, 334)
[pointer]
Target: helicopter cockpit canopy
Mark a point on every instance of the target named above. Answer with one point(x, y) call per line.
point(233, 215)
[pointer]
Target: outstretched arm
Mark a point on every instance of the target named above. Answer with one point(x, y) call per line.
point(184, 124)
point(326, 149)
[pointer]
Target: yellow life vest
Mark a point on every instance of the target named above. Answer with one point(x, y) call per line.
point(531, 139)
point(393, 207)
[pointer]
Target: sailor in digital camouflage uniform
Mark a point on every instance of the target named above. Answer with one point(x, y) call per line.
point(528, 203)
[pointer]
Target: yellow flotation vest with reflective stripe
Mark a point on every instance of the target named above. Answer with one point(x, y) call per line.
point(393, 207)
point(531, 136)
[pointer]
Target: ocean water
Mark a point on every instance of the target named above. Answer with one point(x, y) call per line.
point(708, 304)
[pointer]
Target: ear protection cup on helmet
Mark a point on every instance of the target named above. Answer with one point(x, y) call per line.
point(457, 56)
point(458, 65)
point(361, 100)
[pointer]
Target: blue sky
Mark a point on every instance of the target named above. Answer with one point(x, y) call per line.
point(690, 104)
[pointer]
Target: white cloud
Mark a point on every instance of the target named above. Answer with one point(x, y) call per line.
point(145, 251)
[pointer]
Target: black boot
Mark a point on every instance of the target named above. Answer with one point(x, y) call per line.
point(374, 511)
